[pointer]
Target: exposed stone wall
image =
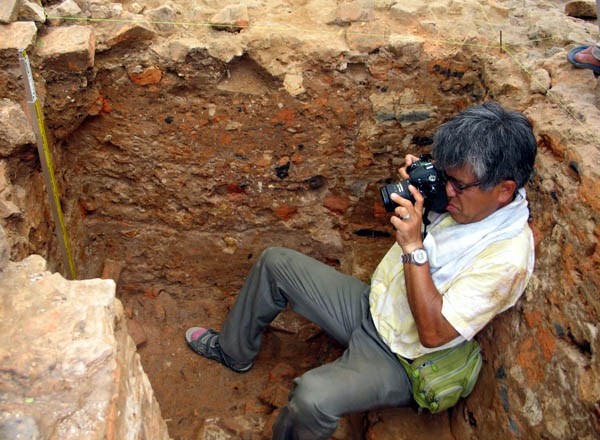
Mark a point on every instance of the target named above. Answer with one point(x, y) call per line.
point(68, 368)
point(184, 154)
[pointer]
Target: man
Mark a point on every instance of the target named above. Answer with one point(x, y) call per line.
point(426, 294)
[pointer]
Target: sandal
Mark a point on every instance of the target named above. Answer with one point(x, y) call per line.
point(572, 60)
point(205, 342)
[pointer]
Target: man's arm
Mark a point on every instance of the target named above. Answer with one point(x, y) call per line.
point(423, 297)
point(426, 306)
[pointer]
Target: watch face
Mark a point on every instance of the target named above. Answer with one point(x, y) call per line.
point(419, 256)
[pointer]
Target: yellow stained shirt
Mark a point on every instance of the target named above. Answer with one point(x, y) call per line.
point(492, 283)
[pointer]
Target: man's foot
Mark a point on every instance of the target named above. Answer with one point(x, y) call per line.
point(206, 343)
point(583, 58)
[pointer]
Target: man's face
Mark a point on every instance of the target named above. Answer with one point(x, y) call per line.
point(472, 204)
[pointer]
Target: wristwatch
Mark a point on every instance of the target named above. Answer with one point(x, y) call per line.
point(418, 257)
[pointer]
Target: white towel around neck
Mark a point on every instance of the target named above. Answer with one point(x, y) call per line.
point(452, 248)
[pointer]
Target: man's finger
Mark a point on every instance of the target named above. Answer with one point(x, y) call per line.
point(405, 203)
point(419, 200)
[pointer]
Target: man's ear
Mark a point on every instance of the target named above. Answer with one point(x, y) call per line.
point(506, 191)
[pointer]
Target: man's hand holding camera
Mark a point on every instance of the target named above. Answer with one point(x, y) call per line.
point(408, 217)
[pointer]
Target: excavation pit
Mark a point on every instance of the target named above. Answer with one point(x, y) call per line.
point(179, 158)
point(183, 182)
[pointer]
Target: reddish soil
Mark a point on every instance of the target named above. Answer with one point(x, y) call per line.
point(191, 389)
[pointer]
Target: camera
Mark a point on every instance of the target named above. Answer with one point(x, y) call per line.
point(424, 176)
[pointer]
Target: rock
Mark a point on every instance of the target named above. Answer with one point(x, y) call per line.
point(69, 48)
point(8, 209)
point(178, 49)
point(135, 8)
point(336, 203)
point(288, 322)
point(232, 18)
point(540, 81)
point(9, 10)
point(4, 252)
point(407, 47)
point(15, 36)
point(103, 10)
point(406, 10)
point(32, 11)
point(247, 426)
point(82, 378)
point(68, 8)
point(292, 83)
point(15, 130)
point(384, 106)
point(358, 10)
point(18, 426)
point(145, 76)
point(414, 114)
point(131, 33)
point(162, 17)
point(581, 9)
point(365, 37)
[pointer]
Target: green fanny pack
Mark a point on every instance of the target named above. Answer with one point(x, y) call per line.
point(441, 378)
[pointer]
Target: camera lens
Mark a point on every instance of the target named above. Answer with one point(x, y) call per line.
point(400, 188)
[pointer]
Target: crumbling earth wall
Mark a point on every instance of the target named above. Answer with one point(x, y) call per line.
point(182, 150)
point(68, 368)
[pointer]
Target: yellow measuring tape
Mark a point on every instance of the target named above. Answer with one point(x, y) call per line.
point(36, 114)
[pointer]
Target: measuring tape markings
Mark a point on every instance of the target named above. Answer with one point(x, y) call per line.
point(47, 166)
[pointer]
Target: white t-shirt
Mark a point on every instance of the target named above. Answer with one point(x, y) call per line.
point(492, 283)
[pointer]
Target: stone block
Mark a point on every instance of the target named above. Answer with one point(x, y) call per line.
point(408, 47)
point(9, 9)
point(178, 49)
point(4, 249)
point(70, 48)
point(15, 130)
point(349, 12)
point(103, 9)
point(233, 427)
point(131, 33)
point(162, 17)
point(414, 114)
point(15, 36)
point(581, 9)
point(232, 18)
point(292, 83)
point(67, 8)
point(407, 10)
point(74, 371)
point(144, 76)
point(540, 81)
point(32, 11)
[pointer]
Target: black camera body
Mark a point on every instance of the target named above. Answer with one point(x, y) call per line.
point(424, 176)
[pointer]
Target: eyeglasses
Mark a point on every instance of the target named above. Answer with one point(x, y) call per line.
point(460, 187)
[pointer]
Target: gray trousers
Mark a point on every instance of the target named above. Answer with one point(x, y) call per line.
point(368, 375)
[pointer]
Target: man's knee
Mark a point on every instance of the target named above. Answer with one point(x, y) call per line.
point(274, 256)
point(309, 407)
